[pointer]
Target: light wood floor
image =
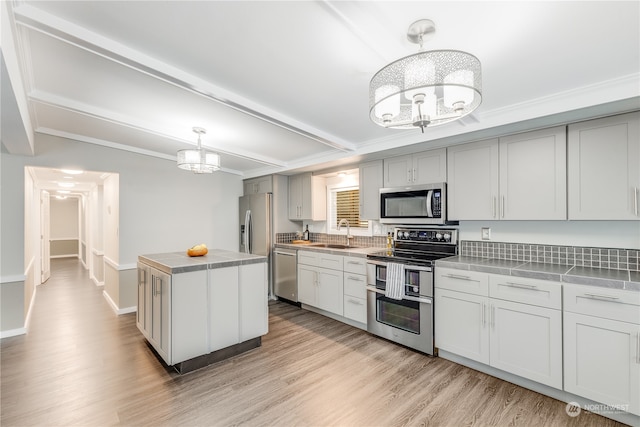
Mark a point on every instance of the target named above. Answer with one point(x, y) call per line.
point(80, 364)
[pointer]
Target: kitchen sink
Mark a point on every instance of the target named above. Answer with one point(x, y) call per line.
point(331, 246)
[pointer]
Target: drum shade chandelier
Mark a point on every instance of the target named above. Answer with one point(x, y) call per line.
point(428, 88)
point(199, 160)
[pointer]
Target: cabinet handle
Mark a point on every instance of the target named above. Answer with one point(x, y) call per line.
point(414, 174)
point(502, 208)
point(494, 207)
point(493, 316)
point(355, 262)
point(483, 318)
point(455, 276)
point(357, 279)
point(638, 348)
point(635, 197)
point(601, 297)
point(356, 302)
point(520, 285)
point(408, 175)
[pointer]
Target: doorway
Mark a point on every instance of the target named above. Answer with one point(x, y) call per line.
point(66, 218)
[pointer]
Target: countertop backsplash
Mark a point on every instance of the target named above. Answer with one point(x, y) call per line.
point(614, 259)
point(339, 239)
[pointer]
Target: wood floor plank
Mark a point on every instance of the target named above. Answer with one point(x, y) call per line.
point(81, 365)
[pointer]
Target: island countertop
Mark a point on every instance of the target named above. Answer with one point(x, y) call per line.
point(180, 262)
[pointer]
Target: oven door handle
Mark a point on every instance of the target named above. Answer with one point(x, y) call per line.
point(405, 297)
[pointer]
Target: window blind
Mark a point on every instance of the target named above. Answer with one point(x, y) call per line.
point(348, 206)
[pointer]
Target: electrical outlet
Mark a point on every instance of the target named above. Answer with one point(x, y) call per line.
point(486, 233)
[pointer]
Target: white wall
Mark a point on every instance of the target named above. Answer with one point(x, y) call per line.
point(64, 218)
point(605, 234)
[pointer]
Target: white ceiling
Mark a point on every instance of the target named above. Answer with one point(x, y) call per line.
point(284, 85)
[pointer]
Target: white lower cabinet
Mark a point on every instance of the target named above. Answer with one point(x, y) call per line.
point(519, 338)
point(335, 284)
point(602, 345)
point(190, 314)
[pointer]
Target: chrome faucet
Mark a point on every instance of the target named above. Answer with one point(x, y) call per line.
point(349, 236)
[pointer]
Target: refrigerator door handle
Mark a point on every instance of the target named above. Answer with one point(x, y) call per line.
point(247, 231)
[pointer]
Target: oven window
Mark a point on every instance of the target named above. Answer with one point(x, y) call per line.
point(400, 314)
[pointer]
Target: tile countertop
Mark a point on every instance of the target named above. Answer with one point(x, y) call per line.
point(354, 251)
point(602, 277)
point(180, 262)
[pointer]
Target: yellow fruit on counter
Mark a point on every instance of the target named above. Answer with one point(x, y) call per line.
point(198, 250)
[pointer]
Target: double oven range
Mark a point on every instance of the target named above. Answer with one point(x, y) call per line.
point(409, 320)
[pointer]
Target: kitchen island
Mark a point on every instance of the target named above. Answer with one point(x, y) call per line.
point(195, 311)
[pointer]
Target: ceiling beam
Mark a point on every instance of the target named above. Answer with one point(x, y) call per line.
point(33, 18)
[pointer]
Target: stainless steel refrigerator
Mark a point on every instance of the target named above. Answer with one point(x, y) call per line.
point(255, 224)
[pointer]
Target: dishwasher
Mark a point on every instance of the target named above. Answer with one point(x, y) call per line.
point(286, 283)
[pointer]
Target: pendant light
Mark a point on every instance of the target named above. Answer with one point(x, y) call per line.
point(428, 88)
point(199, 160)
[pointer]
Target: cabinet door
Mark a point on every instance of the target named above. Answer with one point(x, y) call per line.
point(527, 341)
point(472, 181)
point(461, 325)
point(430, 167)
point(330, 291)
point(307, 284)
point(189, 310)
point(254, 314)
point(602, 360)
point(398, 171)
point(371, 180)
point(161, 314)
point(224, 318)
point(295, 197)
point(533, 175)
point(141, 314)
point(604, 168)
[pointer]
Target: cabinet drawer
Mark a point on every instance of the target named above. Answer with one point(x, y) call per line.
point(542, 293)
point(355, 265)
point(320, 259)
point(614, 304)
point(355, 285)
point(355, 308)
point(471, 282)
point(309, 258)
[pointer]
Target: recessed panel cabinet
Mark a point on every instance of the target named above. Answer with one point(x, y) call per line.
point(512, 324)
point(426, 167)
point(604, 168)
point(321, 281)
point(262, 184)
point(307, 198)
point(519, 177)
point(371, 180)
point(602, 345)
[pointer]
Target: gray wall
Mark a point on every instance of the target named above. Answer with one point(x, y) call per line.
point(161, 209)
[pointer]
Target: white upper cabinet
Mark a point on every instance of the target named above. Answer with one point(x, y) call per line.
point(307, 197)
point(533, 175)
point(426, 167)
point(519, 177)
point(472, 185)
point(604, 168)
point(262, 184)
point(371, 181)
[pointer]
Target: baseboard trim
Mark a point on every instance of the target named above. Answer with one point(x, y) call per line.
point(13, 332)
point(115, 308)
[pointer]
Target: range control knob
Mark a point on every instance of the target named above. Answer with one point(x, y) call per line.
point(438, 236)
point(447, 237)
point(416, 289)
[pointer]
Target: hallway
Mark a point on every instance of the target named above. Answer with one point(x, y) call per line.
point(82, 365)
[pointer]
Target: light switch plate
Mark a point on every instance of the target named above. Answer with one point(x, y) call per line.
point(486, 233)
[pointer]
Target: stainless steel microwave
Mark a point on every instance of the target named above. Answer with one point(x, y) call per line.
point(420, 204)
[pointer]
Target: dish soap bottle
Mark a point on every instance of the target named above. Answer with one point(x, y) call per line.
point(389, 243)
point(306, 233)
